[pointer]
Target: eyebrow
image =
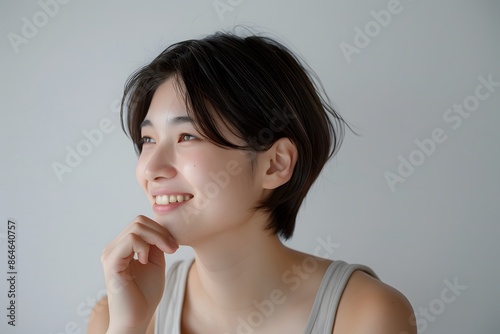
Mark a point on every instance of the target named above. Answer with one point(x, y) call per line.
point(172, 120)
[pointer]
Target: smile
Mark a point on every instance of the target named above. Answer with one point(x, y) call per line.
point(167, 199)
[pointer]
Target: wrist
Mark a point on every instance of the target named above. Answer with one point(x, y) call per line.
point(116, 330)
point(112, 331)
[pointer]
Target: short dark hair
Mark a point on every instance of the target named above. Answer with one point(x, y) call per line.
point(253, 84)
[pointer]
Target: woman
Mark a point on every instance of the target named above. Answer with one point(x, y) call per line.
point(231, 133)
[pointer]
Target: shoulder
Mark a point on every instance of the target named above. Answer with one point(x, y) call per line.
point(371, 306)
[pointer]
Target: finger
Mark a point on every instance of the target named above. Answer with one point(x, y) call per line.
point(119, 258)
point(143, 220)
point(156, 256)
point(135, 227)
point(122, 251)
point(152, 232)
point(152, 236)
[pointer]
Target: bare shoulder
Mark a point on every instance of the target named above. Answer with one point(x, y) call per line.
point(99, 319)
point(371, 306)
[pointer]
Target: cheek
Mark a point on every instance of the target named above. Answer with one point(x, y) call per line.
point(139, 173)
point(223, 179)
point(197, 168)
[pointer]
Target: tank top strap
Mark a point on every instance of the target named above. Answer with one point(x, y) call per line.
point(322, 317)
point(169, 310)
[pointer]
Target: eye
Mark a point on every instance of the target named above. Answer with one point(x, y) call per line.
point(146, 140)
point(186, 137)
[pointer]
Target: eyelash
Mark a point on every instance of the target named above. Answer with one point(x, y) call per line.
point(187, 134)
point(145, 139)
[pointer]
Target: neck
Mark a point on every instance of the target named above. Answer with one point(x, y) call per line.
point(234, 271)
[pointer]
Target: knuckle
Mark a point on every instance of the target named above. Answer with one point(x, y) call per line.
point(136, 226)
point(132, 237)
point(104, 253)
point(140, 218)
point(104, 258)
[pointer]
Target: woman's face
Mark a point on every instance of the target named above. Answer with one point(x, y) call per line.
point(196, 188)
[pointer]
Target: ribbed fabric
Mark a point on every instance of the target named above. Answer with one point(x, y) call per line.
point(168, 313)
point(321, 319)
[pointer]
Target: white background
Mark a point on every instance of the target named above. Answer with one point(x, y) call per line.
point(441, 224)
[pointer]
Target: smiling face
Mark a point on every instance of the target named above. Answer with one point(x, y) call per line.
point(196, 188)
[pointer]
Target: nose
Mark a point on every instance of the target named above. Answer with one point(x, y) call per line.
point(160, 165)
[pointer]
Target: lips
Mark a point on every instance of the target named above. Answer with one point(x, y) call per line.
point(171, 198)
point(165, 203)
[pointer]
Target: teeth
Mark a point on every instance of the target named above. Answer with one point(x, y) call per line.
point(165, 199)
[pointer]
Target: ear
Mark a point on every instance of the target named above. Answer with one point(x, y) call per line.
point(278, 162)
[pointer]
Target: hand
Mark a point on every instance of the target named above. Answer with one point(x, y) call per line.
point(135, 286)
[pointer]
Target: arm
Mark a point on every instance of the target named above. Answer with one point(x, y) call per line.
point(99, 319)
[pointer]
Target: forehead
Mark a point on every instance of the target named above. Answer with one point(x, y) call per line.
point(166, 101)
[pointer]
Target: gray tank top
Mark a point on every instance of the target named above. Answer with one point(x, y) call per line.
point(321, 318)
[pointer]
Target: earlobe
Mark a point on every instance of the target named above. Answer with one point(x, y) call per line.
point(280, 162)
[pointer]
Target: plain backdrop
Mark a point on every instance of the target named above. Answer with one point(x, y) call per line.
point(397, 80)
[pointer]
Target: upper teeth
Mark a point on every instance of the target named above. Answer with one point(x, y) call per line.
point(166, 199)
